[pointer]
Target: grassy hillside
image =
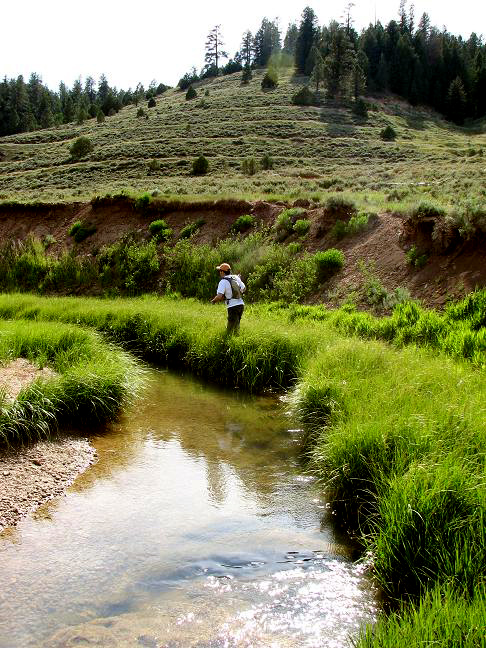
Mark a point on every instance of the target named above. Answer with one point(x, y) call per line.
point(314, 150)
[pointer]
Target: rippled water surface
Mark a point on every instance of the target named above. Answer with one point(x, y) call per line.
point(197, 527)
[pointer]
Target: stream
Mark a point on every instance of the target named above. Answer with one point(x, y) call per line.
point(197, 527)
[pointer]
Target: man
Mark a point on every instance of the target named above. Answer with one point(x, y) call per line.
point(230, 288)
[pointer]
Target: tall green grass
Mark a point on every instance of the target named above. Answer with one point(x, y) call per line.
point(396, 435)
point(93, 379)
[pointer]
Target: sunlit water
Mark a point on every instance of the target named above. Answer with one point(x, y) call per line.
point(197, 527)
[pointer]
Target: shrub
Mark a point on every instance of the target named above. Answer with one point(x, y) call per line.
point(142, 202)
point(302, 226)
point(249, 166)
point(328, 263)
point(191, 228)
point(243, 223)
point(267, 162)
point(160, 230)
point(80, 148)
point(151, 103)
point(284, 223)
point(154, 165)
point(340, 204)
point(191, 93)
point(305, 97)
point(427, 210)
point(360, 109)
point(129, 267)
point(140, 112)
point(416, 259)
point(270, 80)
point(247, 75)
point(206, 94)
point(100, 116)
point(200, 166)
point(388, 134)
point(79, 231)
point(356, 224)
point(469, 220)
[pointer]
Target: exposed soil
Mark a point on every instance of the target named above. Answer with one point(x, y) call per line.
point(452, 270)
point(34, 474)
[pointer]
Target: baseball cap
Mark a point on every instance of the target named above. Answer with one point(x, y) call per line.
point(224, 266)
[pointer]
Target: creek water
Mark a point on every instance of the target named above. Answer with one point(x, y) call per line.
point(198, 526)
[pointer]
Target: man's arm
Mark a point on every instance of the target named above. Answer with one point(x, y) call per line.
point(219, 297)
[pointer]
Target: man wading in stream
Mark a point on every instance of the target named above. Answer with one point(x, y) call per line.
point(231, 289)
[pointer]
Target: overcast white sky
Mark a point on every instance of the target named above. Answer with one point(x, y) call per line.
point(141, 40)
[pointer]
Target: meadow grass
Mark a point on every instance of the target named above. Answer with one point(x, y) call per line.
point(93, 380)
point(396, 435)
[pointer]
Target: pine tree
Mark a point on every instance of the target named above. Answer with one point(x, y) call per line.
point(339, 65)
point(305, 40)
point(290, 40)
point(456, 101)
point(266, 42)
point(319, 70)
point(246, 50)
point(214, 48)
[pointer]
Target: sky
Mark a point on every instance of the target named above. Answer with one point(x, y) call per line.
point(144, 40)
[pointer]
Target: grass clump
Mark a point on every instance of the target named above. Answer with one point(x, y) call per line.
point(356, 224)
point(328, 263)
point(243, 223)
point(191, 228)
point(302, 226)
point(129, 268)
point(80, 231)
point(414, 257)
point(337, 205)
point(93, 381)
point(160, 230)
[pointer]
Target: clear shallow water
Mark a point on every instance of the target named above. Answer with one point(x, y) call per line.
point(197, 527)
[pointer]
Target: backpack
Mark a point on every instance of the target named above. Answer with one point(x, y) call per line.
point(235, 289)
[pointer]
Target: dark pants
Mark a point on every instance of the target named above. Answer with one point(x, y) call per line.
point(234, 317)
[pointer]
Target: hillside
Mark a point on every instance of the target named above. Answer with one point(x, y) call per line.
point(317, 152)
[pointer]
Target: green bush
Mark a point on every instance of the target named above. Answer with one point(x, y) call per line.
point(200, 166)
point(267, 162)
point(191, 228)
point(356, 224)
point(243, 223)
point(388, 134)
point(270, 80)
point(191, 93)
point(427, 210)
point(80, 148)
point(340, 205)
point(360, 109)
point(154, 165)
point(151, 103)
point(140, 112)
point(284, 223)
point(302, 226)
point(249, 166)
point(100, 116)
point(305, 97)
point(128, 267)
point(80, 231)
point(246, 77)
point(328, 263)
point(160, 230)
point(142, 202)
point(416, 259)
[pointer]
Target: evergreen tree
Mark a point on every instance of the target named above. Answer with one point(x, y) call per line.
point(318, 71)
point(339, 65)
point(456, 101)
point(214, 49)
point(246, 50)
point(290, 40)
point(306, 38)
point(266, 42)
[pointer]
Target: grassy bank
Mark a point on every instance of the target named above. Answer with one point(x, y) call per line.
point(396, 435)
point(91, 382)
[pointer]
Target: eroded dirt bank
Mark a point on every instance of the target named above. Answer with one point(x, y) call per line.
point(453, 268)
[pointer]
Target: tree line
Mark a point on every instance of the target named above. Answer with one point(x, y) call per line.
point(30, 106)
point(414, 60)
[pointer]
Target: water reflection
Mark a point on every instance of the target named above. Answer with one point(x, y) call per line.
point(196, 522)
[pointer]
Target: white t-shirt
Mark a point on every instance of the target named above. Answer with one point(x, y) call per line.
point(224, 288)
